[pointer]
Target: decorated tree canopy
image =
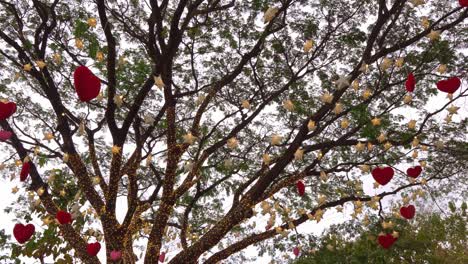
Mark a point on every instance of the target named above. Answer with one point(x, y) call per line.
point(189, 131)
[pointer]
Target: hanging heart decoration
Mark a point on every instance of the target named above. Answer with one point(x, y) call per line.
point(450, 85)
point(463, 3)
point(93, 248)
point(414, 172)
point(300, 188)
point(162, 256)
point(23, 233)
point(383, 175)
point(7, 110)
point(25, 171)
point(63, 217)
point(386, 241)
point(115, 255)
point(87, 85)
point(408, 212)
point(5, 135)
point(296, 251)
point(410, 83)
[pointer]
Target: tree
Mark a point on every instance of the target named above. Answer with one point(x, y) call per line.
point(253, 99)
point(430, 238)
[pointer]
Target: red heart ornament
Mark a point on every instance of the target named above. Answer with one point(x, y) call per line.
point(162, 256)
point(450, 85)
point(300, 188)
point(6, 110)
point(87, 85)
point(5, 135)
point(23, 233)
point(115, 255)
point(410, 83)
point(63, 217)
point(25, 171)
point(463, 3)
point(414, 172)
point(296, 251)
point(386, 241)
point(93, 248)
point(383, 175)
point(408, 212)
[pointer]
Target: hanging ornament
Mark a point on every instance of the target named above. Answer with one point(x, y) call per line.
point(7, 109)
point(65, 157)
point(79, 44)
point(415, 154)
point(323, 176)
point(270, 14)
point(232, 143)
point(360, 147)
point(364, 168)
point(355, 85)
point(63, 217)
point(399, 62)
point(189, 138)
point(425, 23)
point(381, 138)
point(159, 82)
point(386, 64)
point(296, 251)
point(449, 86)
point(25, 170)
point(23, 233)
point(410, 83)
point(387, 145)
point(408, 212)
point(288, 105)
point(326, 98)
point(414, 172)
point(115, 255)
point(118, 100)
point(463, 3)
point(300, 186)
point(299, 154)
point(338, 108)
point(308, 45)
point(266, 159)
point(87, 85)
point(407, 99)
point(442, 68)
point(383, 175)
point(434, 35)
point(115, 149)
point(366, 94)
point(162, 256)
point(311, 125)
point(57, 58)
point(99, 56)
point(344, 123)
point(92, 22)
point(364, 68)
point(376, 121)
point(370, 147)
point(93, 248)
point(276, 140)
point(342, 82)
point(40, 64)
point(5, 135)
point(453, 109)
point(412, 124)
point(27, 67)
point(246, 104)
